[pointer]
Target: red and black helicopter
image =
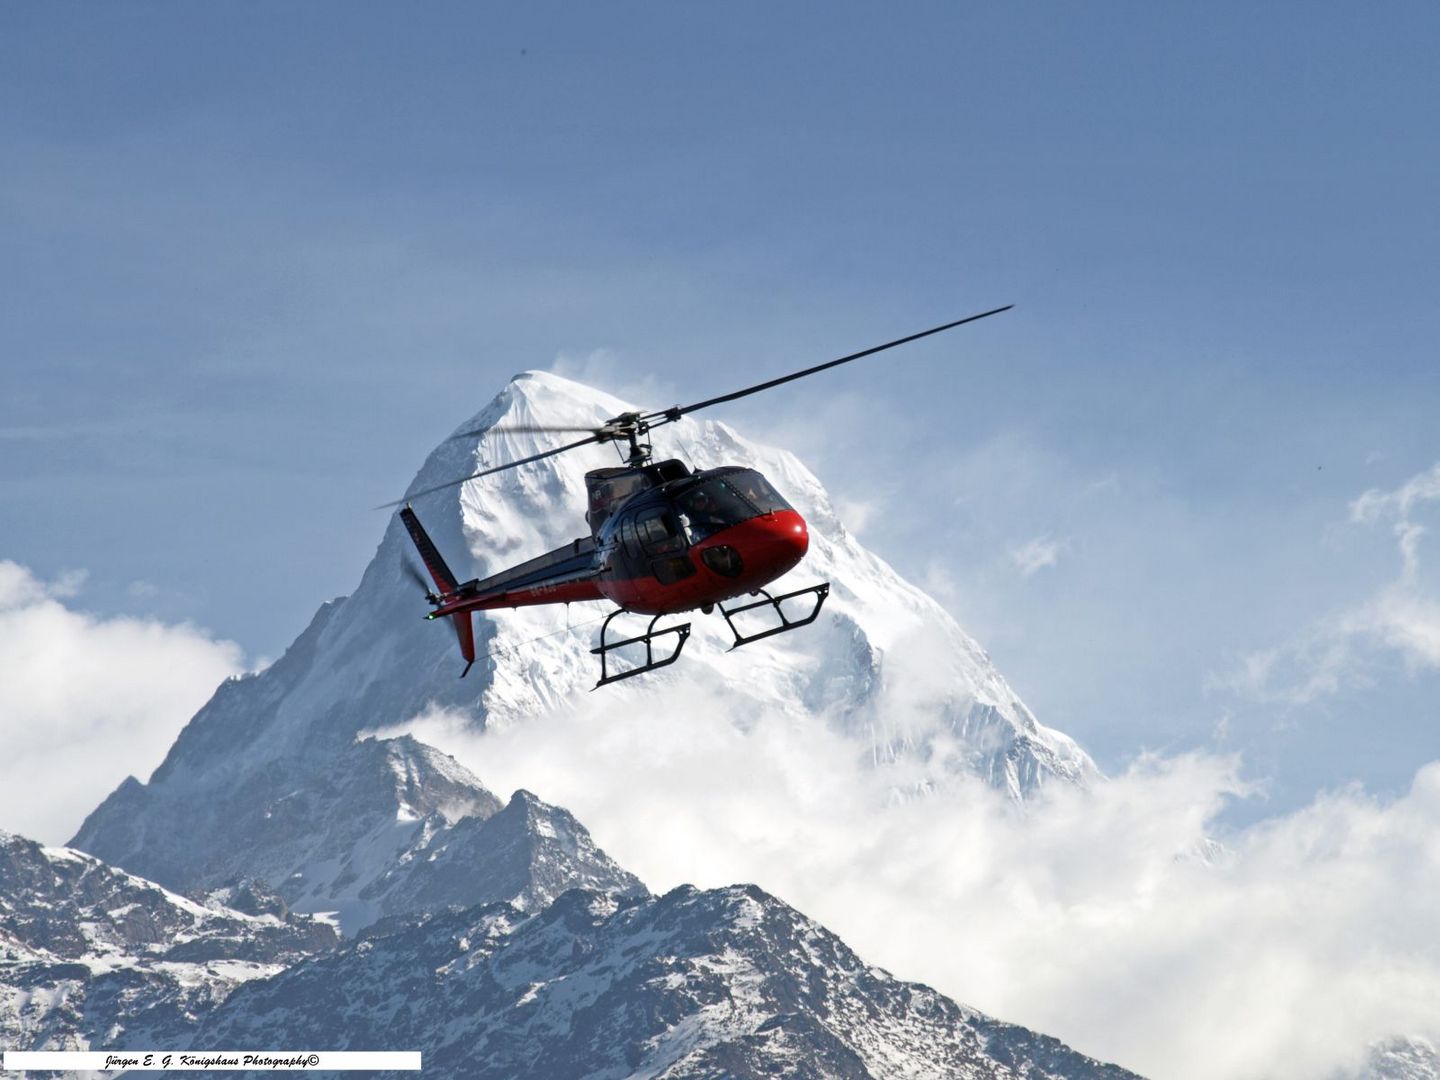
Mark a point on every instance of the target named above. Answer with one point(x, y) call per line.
point(663, 538)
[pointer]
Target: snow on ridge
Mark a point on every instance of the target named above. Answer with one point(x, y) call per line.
point(91, 954)
point(694, 983)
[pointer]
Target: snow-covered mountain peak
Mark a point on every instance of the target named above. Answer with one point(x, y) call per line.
point(884, 658)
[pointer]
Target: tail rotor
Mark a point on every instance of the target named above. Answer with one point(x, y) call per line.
point(414, 574)
point(444, 581)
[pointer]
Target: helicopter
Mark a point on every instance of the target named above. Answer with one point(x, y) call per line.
point(664, 539)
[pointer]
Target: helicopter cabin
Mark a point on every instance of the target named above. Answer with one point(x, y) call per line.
point(608, 488)
point(656, 524)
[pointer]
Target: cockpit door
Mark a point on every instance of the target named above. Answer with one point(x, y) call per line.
point(663, 545)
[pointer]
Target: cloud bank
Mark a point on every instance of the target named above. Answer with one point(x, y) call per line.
point(1108, 918)
point(1400, 618)
point(86, 701)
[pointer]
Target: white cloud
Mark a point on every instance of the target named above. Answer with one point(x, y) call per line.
point(1086, 916)
point(612, 372)
point(1312, 666)
point(1400, 617)
point(1407, 623)
point(1376, 503)
point(68, 584)
point(1035, 555)
point(86, 701)
point(855, 514)
point(142, 590)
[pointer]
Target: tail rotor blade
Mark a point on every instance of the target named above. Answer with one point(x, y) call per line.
point(413, 574)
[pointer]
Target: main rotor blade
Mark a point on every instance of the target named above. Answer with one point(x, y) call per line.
point(525, 429)
point(487, 472)
point(667, 415)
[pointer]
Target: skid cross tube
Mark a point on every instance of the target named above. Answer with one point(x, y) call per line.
point(820, 592)
point(648, 637)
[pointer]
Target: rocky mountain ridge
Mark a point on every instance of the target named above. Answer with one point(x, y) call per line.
point(91, 955)
point(382, 826)
point(725, 982)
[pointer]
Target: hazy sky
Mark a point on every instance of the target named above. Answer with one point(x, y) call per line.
point(260, 258)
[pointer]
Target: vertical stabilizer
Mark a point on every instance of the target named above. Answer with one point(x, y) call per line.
point(465, 631)
point(444, 579)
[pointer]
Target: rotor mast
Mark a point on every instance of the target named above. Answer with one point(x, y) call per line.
point(631, 427)
point(639, 451)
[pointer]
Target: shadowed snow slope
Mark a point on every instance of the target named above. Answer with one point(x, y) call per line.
point(268, 779)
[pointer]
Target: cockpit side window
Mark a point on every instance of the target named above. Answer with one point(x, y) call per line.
point(658, 532)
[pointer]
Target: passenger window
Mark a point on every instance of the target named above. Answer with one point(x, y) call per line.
point(658, 532)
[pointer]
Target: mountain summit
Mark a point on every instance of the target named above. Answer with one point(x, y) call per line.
point(274, 778)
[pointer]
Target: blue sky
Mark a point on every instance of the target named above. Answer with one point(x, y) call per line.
point(261, 258)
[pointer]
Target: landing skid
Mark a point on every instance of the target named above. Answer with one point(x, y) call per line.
point(682, 632)
point(649, 637)
point(820, 592)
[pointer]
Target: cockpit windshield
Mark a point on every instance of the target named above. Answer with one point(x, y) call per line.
point(756, 490)
point(722, 501)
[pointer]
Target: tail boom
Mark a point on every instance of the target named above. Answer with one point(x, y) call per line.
point(563, 576)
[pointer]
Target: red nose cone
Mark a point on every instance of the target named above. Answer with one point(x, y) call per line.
point(776, 542)
point(748, 556)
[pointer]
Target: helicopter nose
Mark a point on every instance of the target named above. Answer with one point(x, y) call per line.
point(781, 540)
